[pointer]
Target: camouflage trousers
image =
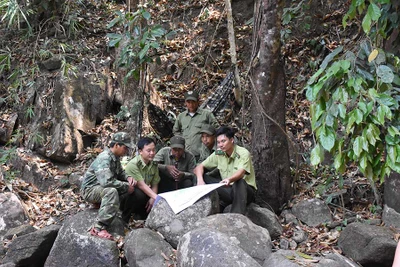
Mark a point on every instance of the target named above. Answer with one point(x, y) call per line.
point(111, 202)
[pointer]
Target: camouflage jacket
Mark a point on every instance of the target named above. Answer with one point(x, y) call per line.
point(106, 171)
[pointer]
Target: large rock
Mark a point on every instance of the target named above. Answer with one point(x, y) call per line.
point(265, 218)
point(75, 246)
point(32, 249)
point(312, 212)
point(369, 245)
point(391, 217)
point(392, 191)
point(7, 128)
point(19, 231)
point(12, 214)
point(210, 248)
point(172, 226)
point(242, 232)
point(144, 247)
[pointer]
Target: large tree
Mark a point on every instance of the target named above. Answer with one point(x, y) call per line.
point(269, 143)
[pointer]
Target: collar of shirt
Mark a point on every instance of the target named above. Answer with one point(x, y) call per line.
point(198, 111)
point(112, 155)
point(142, 164)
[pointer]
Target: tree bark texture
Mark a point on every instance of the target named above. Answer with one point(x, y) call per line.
point(269, 141)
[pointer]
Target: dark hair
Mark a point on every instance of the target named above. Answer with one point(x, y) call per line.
point(224, 130)
point(144, 141)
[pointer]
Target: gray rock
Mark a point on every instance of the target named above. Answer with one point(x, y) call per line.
point(390, 217)
point(19, 231)
point(144, 247)
point(253, 239)
point(53, 63)
point(312, 212)
point(341, 260)
point(83, 249)
point(32, 249)
point(12, 213)
point(281, 258)
point(369, 245)
point(288, 217)
point(392, 191)
point(172, 226)
point(265, 218)
point(299, 235)
point(211, 248)
point(8, 264)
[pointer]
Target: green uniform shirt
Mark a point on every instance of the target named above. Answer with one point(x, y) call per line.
point(186, 163)
point(189, 127)
point(142, 172)
point(106, 171)
point(227, 166)
point(205, 152)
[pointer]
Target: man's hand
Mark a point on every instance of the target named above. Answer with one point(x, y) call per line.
point(131, 188)
point(149, 205)
point(226, 181)
point(200, 182)
point(132, 181)
point(174, 172)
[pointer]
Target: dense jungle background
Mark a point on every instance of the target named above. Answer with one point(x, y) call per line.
point(74, 72)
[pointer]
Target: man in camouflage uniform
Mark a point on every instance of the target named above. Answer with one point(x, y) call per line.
point(208, 145)
point(236, 169)
point(106, 183)
point(145, 172)
point(189, 123)
point(175, 165)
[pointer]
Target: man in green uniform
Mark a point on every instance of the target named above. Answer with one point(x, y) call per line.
point(236, 169)
point(145, 172)
point(175, 165)
point(107, 184)
point(188, 124)
point(208, 145)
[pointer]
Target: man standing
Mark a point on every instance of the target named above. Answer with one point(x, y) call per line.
point(175, 165)
point(189, 123)
point(236, 169)
point(106, 183)
point(145, 172)
point(208, 145)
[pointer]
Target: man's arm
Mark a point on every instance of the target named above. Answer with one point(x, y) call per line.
point(199, 171)
point(107, 177)
point(146, 189)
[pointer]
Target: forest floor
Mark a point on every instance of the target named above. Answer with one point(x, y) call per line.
point(305, 46)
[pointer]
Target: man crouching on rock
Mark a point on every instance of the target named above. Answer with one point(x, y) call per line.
point(236, 169)
point(107, 184)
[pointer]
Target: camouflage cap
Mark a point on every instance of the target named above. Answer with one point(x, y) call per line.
point(192, 95)
point(177, 142)
point(122, 138)
point(208, 129)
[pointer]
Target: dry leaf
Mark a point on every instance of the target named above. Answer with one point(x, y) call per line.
point(373, 55)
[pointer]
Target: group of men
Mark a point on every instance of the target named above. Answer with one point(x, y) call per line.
point(198, 154)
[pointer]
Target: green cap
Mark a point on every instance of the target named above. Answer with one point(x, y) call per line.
point(192, 95)
point(177, 142)
point(122, 138)
point(208, 129)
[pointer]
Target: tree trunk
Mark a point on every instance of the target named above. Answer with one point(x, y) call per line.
point(269, 145)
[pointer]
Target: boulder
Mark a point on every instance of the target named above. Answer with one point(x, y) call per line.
point(312, 212)
point(7, 128)
point(265, 218)
point(392, 191)
point(32, 249)
point(75, 246)
point(208, 248)
point(173, 226)
point(242, 232)
point(369, 245)
point(19, 231)
point(390, 216)
point(12, 214)
point(144, 247)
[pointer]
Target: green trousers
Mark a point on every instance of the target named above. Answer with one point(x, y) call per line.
point(110, 201)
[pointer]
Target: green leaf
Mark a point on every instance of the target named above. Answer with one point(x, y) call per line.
point(393, 131)
point(142, 53)
point(342, 110)
point(329, 120)
point(363, 162)
point(374, 12)
point(327, 139)
point(325, 63)
point(358, 116)
point(316, 155)
point(357, 146)
point(146, 15)
point(366, 23)
point(385, 73)
point(157, 31)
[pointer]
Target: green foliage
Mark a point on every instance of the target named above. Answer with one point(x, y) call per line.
point(13, 14)
point(29, 113)
point(354, 110)
point(140, 40)
point(355, 102)
point(5, 156)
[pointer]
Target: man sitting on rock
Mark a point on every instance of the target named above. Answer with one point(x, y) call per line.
point(208, 145)
point(236, 169)
point(106, 183)
point(145, 172)
point(175, 165)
